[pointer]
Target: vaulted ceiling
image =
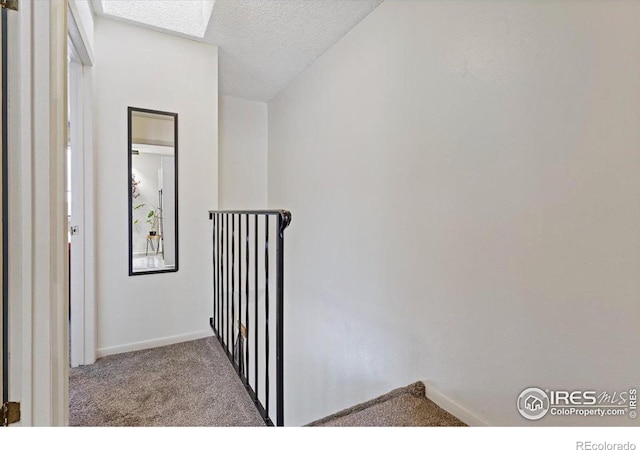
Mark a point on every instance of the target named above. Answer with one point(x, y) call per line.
point(264, 44)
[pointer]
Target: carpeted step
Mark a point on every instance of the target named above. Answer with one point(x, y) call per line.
point(404, 407)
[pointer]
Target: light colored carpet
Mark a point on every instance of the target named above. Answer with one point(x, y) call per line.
point(188, 384)
point(404, 407)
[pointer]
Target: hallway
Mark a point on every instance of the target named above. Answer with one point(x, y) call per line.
point(187, 384)
point(354, 195)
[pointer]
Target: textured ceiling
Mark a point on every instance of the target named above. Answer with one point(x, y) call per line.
point(183, 16)
point(264, 44)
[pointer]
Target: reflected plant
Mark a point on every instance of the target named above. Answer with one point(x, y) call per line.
point(135, 193)
point(152, 218)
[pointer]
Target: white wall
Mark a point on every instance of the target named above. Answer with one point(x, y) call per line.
point(463, 179)
point(141, 68)
point(243, 154)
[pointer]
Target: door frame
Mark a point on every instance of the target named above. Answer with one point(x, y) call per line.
point(4, 311)
point(82, 268)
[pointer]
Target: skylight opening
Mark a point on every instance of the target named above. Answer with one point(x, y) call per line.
point(190, 17)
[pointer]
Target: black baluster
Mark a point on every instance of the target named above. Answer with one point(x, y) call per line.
point(219, 271)
point(240, 338)
point(280, 323)
point(227, 321)
point(215, 269)
point(246, 295)
point(222, 272)
point(255, 306)
point(266, 311)
point(220, 264)
point(233, 285)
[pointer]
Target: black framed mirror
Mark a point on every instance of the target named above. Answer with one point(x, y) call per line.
point(153, 191)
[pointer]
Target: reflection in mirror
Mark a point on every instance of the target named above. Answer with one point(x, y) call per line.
point(153, 193)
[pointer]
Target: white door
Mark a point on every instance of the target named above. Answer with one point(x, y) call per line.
point(75, 199)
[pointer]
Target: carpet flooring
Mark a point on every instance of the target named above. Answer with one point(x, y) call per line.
point(188, 384)
point(404, 407)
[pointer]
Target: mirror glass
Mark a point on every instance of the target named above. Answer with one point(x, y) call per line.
point(153, 191)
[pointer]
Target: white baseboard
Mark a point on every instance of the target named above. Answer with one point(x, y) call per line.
point(152, 343)
point(452, 407)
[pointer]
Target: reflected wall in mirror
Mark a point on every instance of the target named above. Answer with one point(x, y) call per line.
point(153, 191)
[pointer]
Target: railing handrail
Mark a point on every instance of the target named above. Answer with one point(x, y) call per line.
point(221, 297)
point(268, 212)
point(283, 213)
